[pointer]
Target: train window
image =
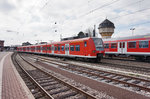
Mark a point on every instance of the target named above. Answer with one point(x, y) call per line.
point(72, 48)
point(85, 44)
point(62, 48)
point(143, 44)
point(106, 45)
point(49, 48)
point(98, 44)
point(58, 48)
point(113, 45)
point(77, 47)
point(98, 41)
point(122, 45)
point(55, 48)
point(132, 44)
point(52, 48)
point(44, 48)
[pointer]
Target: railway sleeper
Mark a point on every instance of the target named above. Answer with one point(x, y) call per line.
point(34, 91)
point(53, 87)
point(126, 85)
point(48, 84)
point(119, 77)
point(147, 84)
point(106, 74)
point(59, 90)
point(65, 94)
point(38, 95)
point(136, 82)
point(31, 87)
point(136, 89)
point(43, 81)
point(77, 96)
point(112, 76)
point(116, 83)
point(127, 79)
point(108, 81)
point(39, 79)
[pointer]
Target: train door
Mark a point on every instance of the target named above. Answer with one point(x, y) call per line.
point(122, 47)
point(52, 49)
point(85, 48)
point(66, 49)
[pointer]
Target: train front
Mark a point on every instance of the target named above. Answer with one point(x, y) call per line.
point(99, 48)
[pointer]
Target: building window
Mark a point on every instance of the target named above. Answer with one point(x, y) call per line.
point(106, 45)
point(72, 48)
point(143, 44)
point(113, 45)
point(77, 47)
point(132, 44)
point(62, 48)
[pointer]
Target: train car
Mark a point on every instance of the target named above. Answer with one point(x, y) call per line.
point(87, 48)
point(135, 46)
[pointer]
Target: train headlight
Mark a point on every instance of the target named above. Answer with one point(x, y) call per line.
point(94, 51)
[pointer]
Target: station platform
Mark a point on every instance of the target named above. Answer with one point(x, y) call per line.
point(11, 84)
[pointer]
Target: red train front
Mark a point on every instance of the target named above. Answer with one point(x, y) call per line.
point(87, 48)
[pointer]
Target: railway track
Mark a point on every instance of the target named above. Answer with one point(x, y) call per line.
point(135, 68)
point(43, 85)
point(134, 83)
point(34, 87)
point(127, 59)
point(118, 64)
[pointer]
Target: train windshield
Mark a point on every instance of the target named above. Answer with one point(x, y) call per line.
point(98, 44)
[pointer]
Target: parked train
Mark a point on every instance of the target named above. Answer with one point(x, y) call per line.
point(136, 46)
point(87, 48)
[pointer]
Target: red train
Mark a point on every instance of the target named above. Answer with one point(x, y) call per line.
point(87, 48)
point(137, 46)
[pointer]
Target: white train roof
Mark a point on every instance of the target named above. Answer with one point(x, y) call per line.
point(128, 37)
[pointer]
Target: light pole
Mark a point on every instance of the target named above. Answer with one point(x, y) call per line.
point(132, 30)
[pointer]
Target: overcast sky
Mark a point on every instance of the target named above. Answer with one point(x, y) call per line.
point(32, 20)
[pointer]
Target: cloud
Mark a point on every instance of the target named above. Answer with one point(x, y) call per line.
point(35, 19)
point(6, 6)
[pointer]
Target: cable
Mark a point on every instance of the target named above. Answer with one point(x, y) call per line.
point(45, 4)
point(136, 24)
point(131, 13)
point(105, 5)
point(131, 4)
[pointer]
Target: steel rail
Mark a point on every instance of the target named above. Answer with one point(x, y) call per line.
point(116, 80)
point(87, 95)
point(34, 81)
point(97, 70)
